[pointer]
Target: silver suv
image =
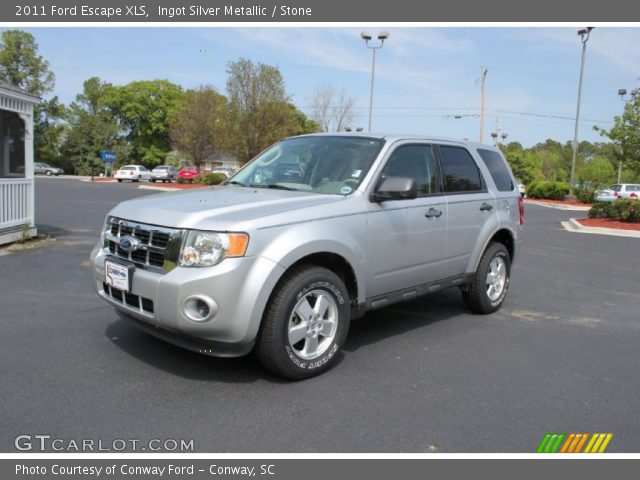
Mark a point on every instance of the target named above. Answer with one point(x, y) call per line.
point(315, 231)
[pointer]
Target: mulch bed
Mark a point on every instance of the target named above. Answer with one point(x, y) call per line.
point(608, 223)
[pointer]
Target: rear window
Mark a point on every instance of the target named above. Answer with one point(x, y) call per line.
point(498, 169)
point(128, 168)
point(461, 173)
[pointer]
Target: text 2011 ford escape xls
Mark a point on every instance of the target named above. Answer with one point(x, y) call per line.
point(315, 231)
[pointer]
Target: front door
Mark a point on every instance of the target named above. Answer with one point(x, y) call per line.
point(406, 242)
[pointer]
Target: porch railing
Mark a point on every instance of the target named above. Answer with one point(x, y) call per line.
point(16, 206)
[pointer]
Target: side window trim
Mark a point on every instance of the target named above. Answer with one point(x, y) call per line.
point(441, 168)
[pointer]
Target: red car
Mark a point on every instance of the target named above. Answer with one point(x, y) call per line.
point(188, 173)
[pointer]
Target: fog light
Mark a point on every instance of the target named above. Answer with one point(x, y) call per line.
point(199, 308)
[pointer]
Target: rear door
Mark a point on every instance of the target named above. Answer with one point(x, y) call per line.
point(470, 204)
point(407, 237)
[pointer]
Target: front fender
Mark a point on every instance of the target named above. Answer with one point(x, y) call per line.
point(343, 236)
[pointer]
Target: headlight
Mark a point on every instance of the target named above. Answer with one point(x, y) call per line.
point(204, 249)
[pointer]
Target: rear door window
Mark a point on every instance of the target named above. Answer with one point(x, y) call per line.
point(461, 174)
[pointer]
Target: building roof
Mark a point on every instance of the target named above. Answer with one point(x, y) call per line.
point(17, 90)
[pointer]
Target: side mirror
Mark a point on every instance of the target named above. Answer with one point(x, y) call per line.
point(396, 188)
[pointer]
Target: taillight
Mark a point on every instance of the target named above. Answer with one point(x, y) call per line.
point(615, 193)
point(633, 195)
point(521, 208)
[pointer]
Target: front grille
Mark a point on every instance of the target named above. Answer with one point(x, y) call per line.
point(128, 299)
point(156, 247)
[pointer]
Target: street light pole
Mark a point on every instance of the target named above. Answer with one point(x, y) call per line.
point(382, 36)
point(483, 81)
point(584, 37)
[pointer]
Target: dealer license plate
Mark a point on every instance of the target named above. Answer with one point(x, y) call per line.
point(117, 275)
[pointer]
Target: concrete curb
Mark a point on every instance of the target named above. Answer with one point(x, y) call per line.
point(574, 226)
point(161, 189)
point(559, 207)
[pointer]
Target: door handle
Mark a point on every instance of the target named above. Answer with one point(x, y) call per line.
point(485, 207)
point(433, 212)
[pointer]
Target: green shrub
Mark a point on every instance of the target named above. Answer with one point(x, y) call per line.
point(585, 195)
point(599, 210)
point(181, 180)
point(624, 209)
point(548, 190)
point(210, 178)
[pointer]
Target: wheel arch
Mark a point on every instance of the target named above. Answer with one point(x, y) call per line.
point(504, 236)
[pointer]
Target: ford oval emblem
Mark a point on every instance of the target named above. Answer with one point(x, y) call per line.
point(128, 244)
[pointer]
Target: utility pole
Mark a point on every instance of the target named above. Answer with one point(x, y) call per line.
point(483, 80)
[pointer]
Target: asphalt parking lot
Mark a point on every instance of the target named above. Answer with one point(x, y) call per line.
point(561, 356)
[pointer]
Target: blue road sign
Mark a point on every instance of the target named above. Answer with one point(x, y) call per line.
point(108, 156)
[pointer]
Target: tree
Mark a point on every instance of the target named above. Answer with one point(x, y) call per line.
point(21, 65)
point(199, 126)
point(48, 129)
point(625, 134)
point(258, 106)
point(331, 109)
point(145, 110)
point(92, 128)
point(597, 171)
point(301, 123)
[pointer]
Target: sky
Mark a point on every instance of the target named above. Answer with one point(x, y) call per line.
point(424, 75)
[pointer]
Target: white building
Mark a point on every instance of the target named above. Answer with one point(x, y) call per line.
point(16, 164)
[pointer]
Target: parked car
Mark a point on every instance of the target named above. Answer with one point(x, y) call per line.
point(281, 268)
point(188, 173)
point(40, 168)
point(619, 190)
point(227, 171)
point(629, 190)
point(135, 173)
point(163, 173)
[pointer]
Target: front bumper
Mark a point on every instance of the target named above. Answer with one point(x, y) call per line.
point(240, 287)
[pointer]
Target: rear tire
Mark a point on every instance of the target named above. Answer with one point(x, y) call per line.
point(48, 173)
point(305, 323)
point(490, 283)
point(119, 180)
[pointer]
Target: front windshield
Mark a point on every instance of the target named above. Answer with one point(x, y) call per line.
point(321, 164)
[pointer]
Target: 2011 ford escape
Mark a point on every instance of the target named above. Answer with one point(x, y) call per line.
point(315, 231)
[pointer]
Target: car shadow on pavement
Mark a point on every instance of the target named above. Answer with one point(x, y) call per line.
point(374, 327)
point(184, 363)
point(384, 324)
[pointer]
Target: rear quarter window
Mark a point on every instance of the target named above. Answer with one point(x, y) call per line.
point(498, 169)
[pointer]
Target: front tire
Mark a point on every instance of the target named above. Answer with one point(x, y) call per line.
point(119, 180)
point(490, 283)
point(305, 323)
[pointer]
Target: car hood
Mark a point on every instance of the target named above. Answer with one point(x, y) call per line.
point(223, 208)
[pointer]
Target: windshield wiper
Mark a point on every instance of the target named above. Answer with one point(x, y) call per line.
point(275, 186)
point(235, 182)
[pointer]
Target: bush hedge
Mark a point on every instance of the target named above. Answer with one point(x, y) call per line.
point(548, 190)
point(210, 178)
point(623, 209)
